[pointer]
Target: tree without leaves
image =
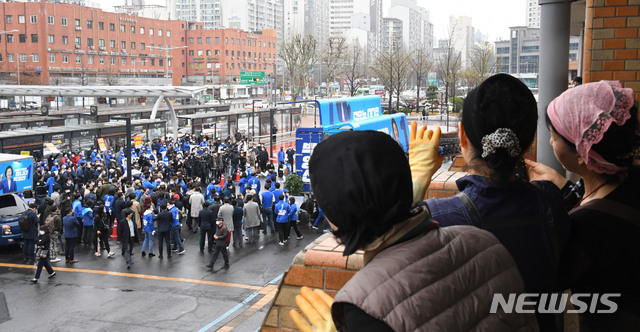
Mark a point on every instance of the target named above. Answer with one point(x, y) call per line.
point(333, 58)
point(483, 62)
point(111, 77)
point(401, 71)
point(392, 68)
point(353, 71)
point(448, 66)
point(383, 68)
point(421, 65)
point(299, 57)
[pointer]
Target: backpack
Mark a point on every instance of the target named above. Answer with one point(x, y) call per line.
point(228, 239)
point(24, 223)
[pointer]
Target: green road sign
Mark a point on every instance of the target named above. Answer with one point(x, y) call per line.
point(252, 77)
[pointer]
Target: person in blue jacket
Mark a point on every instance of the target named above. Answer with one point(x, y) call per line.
point(281, 157)
point(267, 209)
point(277, 193)
point(77, 208)
point(87, 225)
point(175, 226)
point(108, 201)
point(51, 182)
point(282, 219)
point(293, 219)
point(209, 190)
point(149, 230)
point(243, 183)
point(254, 183)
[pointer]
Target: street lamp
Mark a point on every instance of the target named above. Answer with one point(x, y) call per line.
point(166, 74)
point(18, 58)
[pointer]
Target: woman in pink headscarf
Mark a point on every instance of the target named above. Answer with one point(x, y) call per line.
point(594, 133)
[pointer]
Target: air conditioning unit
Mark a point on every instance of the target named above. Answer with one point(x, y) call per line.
point(92, 48)
point(77, 45)
point(78, 28)
point(102, 48)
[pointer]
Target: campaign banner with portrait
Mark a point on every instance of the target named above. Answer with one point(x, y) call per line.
point(16, 175)
point(341, 110)
point(395, 125)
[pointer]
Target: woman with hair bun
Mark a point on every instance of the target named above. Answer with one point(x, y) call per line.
point(499, 122)
point(594, 133)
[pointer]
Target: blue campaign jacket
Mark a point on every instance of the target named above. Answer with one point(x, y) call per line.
point(108, 203)
point(282, 212)
point(176, 218)
point(87, 216)
point(267, 199)
point(77, 209)
point(529, 245)
point(254, 183)
point(147, 221)
point(293, 212)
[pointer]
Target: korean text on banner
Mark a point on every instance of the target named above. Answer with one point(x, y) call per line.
point(16, 176)
point(51, 147)
point(103, 147)
point(137, 140)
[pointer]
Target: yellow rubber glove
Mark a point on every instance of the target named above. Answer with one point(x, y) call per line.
point(423, 158)
point(316, 306)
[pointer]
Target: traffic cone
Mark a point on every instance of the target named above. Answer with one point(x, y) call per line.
point(115, 229)
point(238, 175)
point(222, 181)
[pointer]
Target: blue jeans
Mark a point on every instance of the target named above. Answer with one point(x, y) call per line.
point(267, 219)
point(175, 233)
point(148, 238)
point(29, 249)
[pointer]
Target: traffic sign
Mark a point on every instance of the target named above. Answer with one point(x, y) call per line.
point(252, 77)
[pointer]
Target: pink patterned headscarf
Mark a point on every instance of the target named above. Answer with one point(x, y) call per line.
point(583, 115)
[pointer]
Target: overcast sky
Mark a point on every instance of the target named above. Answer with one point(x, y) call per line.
point(492, 17)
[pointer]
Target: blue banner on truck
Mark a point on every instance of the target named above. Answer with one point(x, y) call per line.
point(16, 176)
point(306, 140)
point(335, 111)
point(394, 125)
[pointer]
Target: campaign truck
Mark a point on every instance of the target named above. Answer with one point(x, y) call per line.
point(355, 113)
point(16, 176)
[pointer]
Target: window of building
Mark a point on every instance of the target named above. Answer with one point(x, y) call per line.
point(102, 60)
point(208, 52)
point(199, 40)
point(101, 42)
point(89, 24)
point(133, 61)
point(159, 32)
point(52, 58)
point(232, 41)
point(90, 42)
point(161, 62)
point(226, 52)
point(216, 40)
point(190, 52)
point(244, 53)
point(11, 57)
point(123, 44)
point(21, 19)
point(65, 40)
point(35, 57)
point(78, 59)
point(63, 21)
point(22, 37)
point(141, 30)
point(190, 40)
point(100, 25)
point(133, 45)
point(153, 62)
point(112, 43)
point(8, 19)
point(122, 28)
point(77, 22)
point(78, 41)
point(142, 46)
point(112, 27)
point(51, 39)
point(208, 40)
point(112, 60)
point(90, 59)
point(217, 52)
point(50, 19)
point(123, 61)
point(10, 38)
point(23, 57)
point(65, 58)
point(199, 52)
point(226, 40)
point(143, 62)
point(133, 29)
point(168, 33)
point(150, 32)
point(34, 38)
point(244, 42)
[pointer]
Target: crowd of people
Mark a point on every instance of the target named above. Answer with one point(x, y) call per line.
point(81, 197)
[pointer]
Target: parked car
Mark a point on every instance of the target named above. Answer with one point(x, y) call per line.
point(213, 102)
point(11, 207)
point(32, 105)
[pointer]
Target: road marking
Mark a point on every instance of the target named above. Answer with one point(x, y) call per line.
point(269, 292)
point(141, 276)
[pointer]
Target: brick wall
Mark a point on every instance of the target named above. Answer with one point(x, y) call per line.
point(612, 42)
point(321, 264)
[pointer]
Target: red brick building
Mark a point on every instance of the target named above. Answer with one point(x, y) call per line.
point(69, 44)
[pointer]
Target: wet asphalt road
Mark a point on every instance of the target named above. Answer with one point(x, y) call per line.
point(177, 294)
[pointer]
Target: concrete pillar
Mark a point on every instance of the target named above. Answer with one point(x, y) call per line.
point(555, 16)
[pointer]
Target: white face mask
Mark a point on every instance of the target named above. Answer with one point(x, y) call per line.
point(41, 232)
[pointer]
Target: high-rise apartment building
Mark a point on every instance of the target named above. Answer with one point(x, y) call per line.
point(533, 14)
point(462, 35)
point(391, 32)
point(417, 29)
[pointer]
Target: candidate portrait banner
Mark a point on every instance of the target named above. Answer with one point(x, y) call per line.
point(16, 176)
